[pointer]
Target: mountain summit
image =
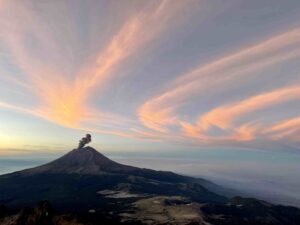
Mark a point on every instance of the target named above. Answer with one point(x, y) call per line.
point(80, 161)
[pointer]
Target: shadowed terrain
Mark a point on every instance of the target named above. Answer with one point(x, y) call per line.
point(82, 175)
point(85, 187)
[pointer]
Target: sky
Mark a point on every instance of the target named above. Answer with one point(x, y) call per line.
point(207, 80)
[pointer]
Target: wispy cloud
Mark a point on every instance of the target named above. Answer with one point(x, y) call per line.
point(63, 100)
point(224, 116)
point(161, 112)
point(213, 75)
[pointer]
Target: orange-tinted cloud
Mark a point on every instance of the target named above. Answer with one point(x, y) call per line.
point(224, 116)
point(286, 129)
point(213, 75)
point(63, 100)
point(161, 113)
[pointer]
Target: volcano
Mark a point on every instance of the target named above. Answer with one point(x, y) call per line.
point(86, 178)
point(85, 161)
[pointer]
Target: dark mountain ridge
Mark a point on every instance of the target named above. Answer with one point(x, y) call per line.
point(80, 175)
point(86, 188)
point(80, 161)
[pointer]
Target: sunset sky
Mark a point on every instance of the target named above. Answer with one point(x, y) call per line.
point(150, 75)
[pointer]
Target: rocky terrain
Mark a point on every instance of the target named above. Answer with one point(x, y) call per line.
point(160, 210)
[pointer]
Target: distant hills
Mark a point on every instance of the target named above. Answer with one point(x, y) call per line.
point(87, 183)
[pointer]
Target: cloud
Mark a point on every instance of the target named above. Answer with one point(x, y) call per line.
point(162, 113)
point(287, 130)
point(224, 116)
point(19, 109)
point(135, 33)
point(64, 100)
point(213, 75)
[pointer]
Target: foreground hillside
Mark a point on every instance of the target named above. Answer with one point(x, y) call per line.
point(160, 210)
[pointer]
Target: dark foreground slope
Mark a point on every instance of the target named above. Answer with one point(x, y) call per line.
point(161, 210)
point(84, 177)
